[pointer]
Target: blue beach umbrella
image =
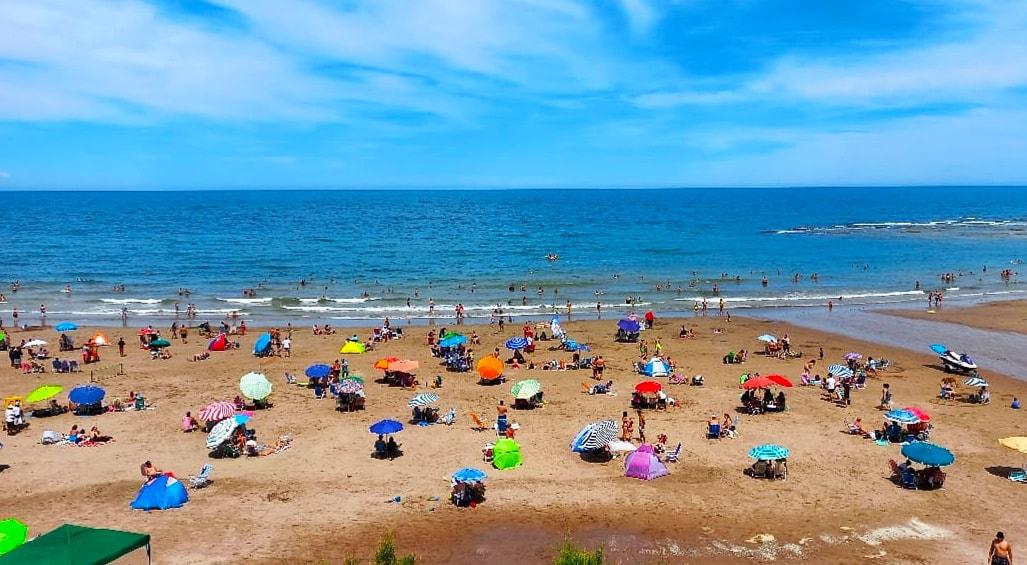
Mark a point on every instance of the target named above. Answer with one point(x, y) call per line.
point(939, 348)
point(66, 327)
point(242, 419)
point(318, 371)
point(86, 394)
point(386, 427)
point(630, 326)
point(453, 341)
point(516, 343)
point(468, 474)
point(928, 454)
point(840, 371)
point(768, 452)
point(904, 417)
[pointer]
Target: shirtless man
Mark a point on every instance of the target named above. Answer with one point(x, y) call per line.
point(1001, 553)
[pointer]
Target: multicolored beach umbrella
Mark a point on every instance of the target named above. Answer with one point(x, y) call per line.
point(423, 399)
point(349, 386)
point(453, 340)
point(904, 417)
point(768, 452)
point(840, 371)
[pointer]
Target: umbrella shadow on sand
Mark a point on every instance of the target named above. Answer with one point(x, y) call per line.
point(1002, 470)
point(4, 468)
point(596, 456)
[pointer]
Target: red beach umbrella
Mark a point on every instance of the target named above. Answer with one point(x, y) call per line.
point(648, 387)
point(781, 380)
point(758, 382)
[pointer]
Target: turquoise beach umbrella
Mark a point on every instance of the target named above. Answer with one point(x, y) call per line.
point(768, 452)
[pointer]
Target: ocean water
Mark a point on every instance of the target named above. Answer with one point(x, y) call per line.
point(363, 254)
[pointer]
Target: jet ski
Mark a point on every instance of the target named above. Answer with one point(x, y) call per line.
point(958, 362)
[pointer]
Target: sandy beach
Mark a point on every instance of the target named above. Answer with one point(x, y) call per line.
point(325, 498)
point(1004, 316)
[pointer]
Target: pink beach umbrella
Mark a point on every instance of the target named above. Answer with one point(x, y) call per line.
point(217, 411)
point(644, 464)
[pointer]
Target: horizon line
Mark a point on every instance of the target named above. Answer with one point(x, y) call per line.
point(505, 188)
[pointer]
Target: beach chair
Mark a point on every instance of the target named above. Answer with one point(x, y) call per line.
point(585, 388)
point(449, 418)
point(478, 424)
point(909, 479)
point(203, 479)
point(672, 457)
point(1018, 476)
point(713, 431)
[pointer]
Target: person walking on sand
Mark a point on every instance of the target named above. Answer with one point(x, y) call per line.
point(641, 427)
point(1001, 553)
point(886, 397)
point(121, 346)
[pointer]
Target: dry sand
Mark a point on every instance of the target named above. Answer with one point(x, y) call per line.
point(1004, 316)
point(325, 498)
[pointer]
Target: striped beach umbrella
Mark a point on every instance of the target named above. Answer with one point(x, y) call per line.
point(255, 386)
point(526, 389)
point(839, 371)
point(595, 435)
point(221, 431)
point(904, 417)
point(423, 399)
point(217, 411)
point(975, 381)
point(516, 343)
point(768, 452)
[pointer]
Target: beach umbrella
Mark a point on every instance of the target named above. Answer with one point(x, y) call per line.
point(768, 452)
point(920, 414)
point(255, 386)
point(758, 382)
point(386, 427)
point(1017, 443)
point(100, 338)
point(469, 474)
point(318, 371)
point(147, 331)
point(780, 380)
point(554, 327)
point(383, 363)
point(12, 534)
point(928, 454)
point(526, 389)
point(160, 342)
point(3, 335)
point(490, 368)
point(904, 417)
point(220, 432)
point(349, 386)
point(242, 418)
point(217, 411)
point(648, 387)
point(352, 348)
point(42, 393)
point(86, 394)
point(630, 326)
point(35, 343)
point(66, 327)
point(403, 366)
point(939, 349)
point(656, 368)
point(453, 340)
point(423, 399)
point(516, 343)
point(839, 371)
point(506, 454)
point(618, 446)
point(975, 381)
point(767, 338)
point(852, 356)
point(595, 435)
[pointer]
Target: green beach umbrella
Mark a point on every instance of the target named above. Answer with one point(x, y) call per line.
point(160, 342)
point(354, 377)
point(255, 386)
point(42, 393)
point(12, 534)
point(2, 335)
point(526, 389)
point(506, 454)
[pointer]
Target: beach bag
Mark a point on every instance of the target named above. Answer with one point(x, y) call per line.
point(50, 437)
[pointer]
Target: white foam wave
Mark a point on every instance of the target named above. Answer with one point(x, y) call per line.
point(245, 300)
point(131, 300)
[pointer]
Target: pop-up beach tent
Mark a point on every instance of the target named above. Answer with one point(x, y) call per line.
point(77, 545)
point(262, 348)
point(161, 493)
point(220, 343)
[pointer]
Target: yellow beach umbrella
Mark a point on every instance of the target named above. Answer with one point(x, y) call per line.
point(1017, 443)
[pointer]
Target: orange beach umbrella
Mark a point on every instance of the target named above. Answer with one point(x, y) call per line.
point(490, 368)
point(383, 363)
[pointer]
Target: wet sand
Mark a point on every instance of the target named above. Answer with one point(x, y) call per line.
point(1003, 316)
point(325, 498)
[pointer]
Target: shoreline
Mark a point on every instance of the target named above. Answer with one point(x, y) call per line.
point(1001, 316)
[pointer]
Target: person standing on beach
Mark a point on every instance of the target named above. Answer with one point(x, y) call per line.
point(1001, 552)
point(121, 346)
point(641, 427)
point(886, 397)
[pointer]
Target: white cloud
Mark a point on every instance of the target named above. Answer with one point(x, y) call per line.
point(4, 175)
point(641, 15)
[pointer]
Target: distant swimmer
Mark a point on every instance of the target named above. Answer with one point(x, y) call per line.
point(67, 289)
point(552, 256)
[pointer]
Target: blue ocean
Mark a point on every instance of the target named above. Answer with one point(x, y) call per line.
point(351, 256)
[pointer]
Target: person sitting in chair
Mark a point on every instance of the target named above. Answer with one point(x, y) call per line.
point(392, 448)
point(380, 447)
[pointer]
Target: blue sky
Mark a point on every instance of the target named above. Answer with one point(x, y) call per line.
point(183, 94)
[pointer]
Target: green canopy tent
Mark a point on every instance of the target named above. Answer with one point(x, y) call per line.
point(77, 545)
